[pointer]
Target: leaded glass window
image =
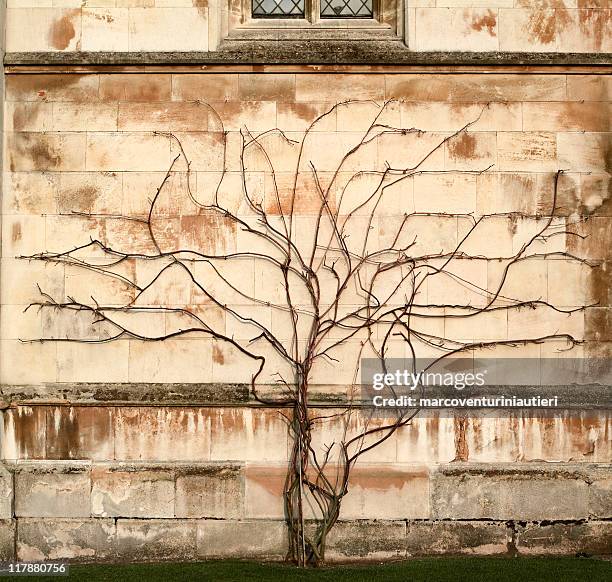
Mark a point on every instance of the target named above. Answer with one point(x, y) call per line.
point(346, 9)
point(278, 8)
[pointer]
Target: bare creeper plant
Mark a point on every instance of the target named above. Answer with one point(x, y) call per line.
point(347, 260)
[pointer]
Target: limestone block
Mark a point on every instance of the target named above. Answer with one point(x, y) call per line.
point(583, 152)
point(335, 87)
point(522, 29)
point(474, 29)
point(132, 491)
point(170, 116)
point(212, 87)
point(176, 360)
point(592, 537)
point(52, 87)
point(84, 117)
point(600, 496)
point(52, 490)
point(542, 321)
point(475, 88)
point(77, 540)
point(29, 151)
point(524, 492)
point(215, 491)
point(83, 432)
point(30, 193)
point(471, 151)
point(162, 434)
point(264, 486)
point(6, 493)
point(387, 492)
point(143, 88)
point(156, 539)
point(428, 538)
point(43, 29)
point(82, 362)
point(16, 361)
point(104, 29)
point(23, 235)
point(242, 539)
point(435, 116)
point(570, 116)
point(248, 434)
point(372, 540)
point(528, 151)
point(145, 26)
point(7, 540)
point(450, 193)
point(28, 116)
point(589, 87)
point(273, 87)
point(127, 151)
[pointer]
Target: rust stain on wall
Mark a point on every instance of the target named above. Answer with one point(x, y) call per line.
point(488, 22)
point(595, 24)
point(547, 19)
point(202, 6)
point(217, 355)
point(62, 31)
point(16, 232)
point(464, 146)
point(462, 452)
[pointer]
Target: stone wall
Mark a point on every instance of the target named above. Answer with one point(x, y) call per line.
point(140, 450)
point(131, 26)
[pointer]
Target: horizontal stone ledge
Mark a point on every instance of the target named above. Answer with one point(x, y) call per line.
point(594, 396)
point(390, 52)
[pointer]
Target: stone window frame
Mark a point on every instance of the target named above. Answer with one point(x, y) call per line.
point(236, 22)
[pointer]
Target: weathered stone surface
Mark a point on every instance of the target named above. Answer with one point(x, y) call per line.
point(509, 491)
point(242, 539)
point(600, 496)
point(86, 540)
point(132, 491)
point(371, 53)
point(156, 539)
point(7, 539)
point(594, 537)
point(387, 492)
point(371, 540)
point(6, 492)
point(210, 491)
point(52, 490)
point(424, 538)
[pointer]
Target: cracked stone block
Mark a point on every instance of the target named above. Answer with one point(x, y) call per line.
point(211, 491)
point(6, 493)
point(593, 537)
point(372, 540)
point(132, 491)
point(242, 539)
point(448, 537)
point(7, 540)
point(52, 490)
point(86, 540)
point(156, 539)
point(520, 492)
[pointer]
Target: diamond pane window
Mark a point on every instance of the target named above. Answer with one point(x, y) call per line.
point(278, 8)
point(346, 9)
